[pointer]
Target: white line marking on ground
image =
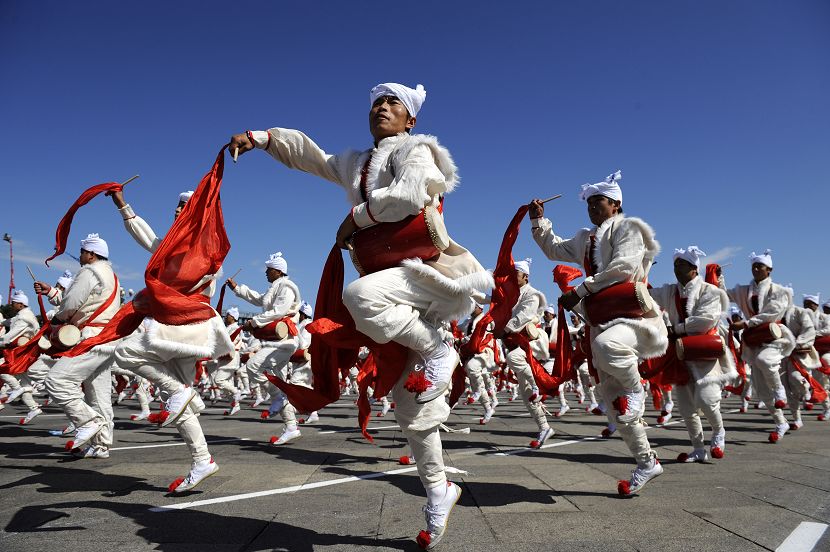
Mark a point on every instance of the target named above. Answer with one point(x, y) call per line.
point(353, 429)
point(803, 538)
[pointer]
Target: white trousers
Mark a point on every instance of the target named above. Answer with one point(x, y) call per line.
point(476, 367)
point(615, 358)
point(169, 373)
point(517, 361)
point(94, 402)
point(390, 306)
point(766, 377)
point(692, 399)
point(273, 357)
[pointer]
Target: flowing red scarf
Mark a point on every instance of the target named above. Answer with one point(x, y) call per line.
point(712, 271)
point(817, 393)
point(194, 246)
point(740, 366)
point(564, 354)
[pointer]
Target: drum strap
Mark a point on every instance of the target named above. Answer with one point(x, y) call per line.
point(589, 262)
point(364, 176)
point(753, 304)
point(91, 320)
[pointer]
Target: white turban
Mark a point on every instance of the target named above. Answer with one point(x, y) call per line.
point(19, 297)
point(826, 305)
point(764, 259)
point(306, 309)
point(278, 262)
point(691, 254)
point(812, 298)
point(551, 309)
point(733, 310)
point(524, 266)
point(411, 99)
point(233, 311)
point(65, 280)
point(184, 196)
point(609, 188)
point(96, 245)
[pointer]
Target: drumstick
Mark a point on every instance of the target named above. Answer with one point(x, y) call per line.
point(725, 265)
point(235, 154)
point(557, 196)
point(235, 274)
point(32, 274)
point(129, 180)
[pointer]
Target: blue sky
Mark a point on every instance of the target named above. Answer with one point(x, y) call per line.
point(716, 112)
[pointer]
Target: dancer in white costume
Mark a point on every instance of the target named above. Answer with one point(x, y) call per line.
point(401, 175)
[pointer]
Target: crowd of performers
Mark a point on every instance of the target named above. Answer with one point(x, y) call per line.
point(392, 336)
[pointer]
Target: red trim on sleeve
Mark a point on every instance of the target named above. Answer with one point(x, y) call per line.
point(369, 212)
point(268, 143)
point(250, 136)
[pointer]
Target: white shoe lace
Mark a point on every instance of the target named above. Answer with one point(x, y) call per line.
point(434, 518)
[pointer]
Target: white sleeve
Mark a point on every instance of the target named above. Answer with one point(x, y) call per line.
point(244, 292)
point(77, 295)
point(281, 308)
point(525, 310)
point(138, 228)
point(554, 247)
point(295, 150)
point(707, 314)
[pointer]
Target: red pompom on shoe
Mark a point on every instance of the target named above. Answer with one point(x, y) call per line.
point(175, 484)
point(780, 404)
point(773, 437)
point(793, 427)
point(416, 382)
point(404, 461)
point(742, 410)
point(535, 444)
point(22, 421)
point(808, 406)
point(423, 539)
point(606, 433)
point(263, 415)
point(597, 411)
point(273, 439)
point(683, 456)
point(623, 487)
point(469, 400)
point(531, 398)
point(378, 414)
point(301, 421)
point(69, 445)
point(392, 406)
point(717, 452)
point(821, 418)
point(660, 419)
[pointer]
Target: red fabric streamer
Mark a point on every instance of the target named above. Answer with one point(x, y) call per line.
point(548, 384)
point(712, 272)
point(458, 377)
point(564, 354)
point(665, 370)
point(817, 392)
point(506, 293)
point(740, 366)
point(62, 233)
point(196, 245)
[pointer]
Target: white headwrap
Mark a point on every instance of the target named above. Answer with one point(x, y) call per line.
point(551, 309)
point(96, 245)
point(764, 259)
point(65, 280)
point(826, 305)
point(411, 99)
point(733, 310)
point(233, 311)
point(306, 309)
point(524, 266)
point(278, 262)
point(609, 188)
point(691, 254)
point(19, 297)
point(814, 298)
point(184, 196)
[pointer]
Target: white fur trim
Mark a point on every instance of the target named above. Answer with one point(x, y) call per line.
point(178, 340)
point(659, 341)
point(458, 290)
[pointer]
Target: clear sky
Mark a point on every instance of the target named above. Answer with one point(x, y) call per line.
point(716, 112)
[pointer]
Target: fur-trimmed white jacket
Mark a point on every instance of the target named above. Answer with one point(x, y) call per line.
point(280, 300)
point(23, 324)
point(800, 324)
point(406, 174)
point(92, 287)
point(529, 309)
point(207, 339)
point(624, 252)
point(705, 305)
point(773, 301)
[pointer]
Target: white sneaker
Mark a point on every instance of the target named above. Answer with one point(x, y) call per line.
point(543, 436)
point(31, 415)
point(61, 432)
point(121, 396)
point(494, 401)
point(143, 415)
point(635, 405)
point(437, 516)
point(92, 451)
point(177, 403)
point(697, 455)
point(85, 433)
point(780, 431)
point(198, 473)
point(258, 401)
point(313, 417)
point(591, 407)
point(15, 394)
point(669, 407)
point(287, 436)
point(639, 477)
point(664, 419)
point(488, 414)
point(563, 410)
point(385, 410)
point(717, 445)
point(438, 369)
point(796, 425)
point(234, 408)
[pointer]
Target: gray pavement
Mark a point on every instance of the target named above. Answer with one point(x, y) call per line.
point(355, 495)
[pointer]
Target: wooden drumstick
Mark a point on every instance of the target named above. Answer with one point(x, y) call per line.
point(235, 154)
point(235, 274)
point(557, 196)
point(32, 274)
point(129, 180)
point(725, 265)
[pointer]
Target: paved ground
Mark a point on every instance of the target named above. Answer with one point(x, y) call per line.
point(355, 496)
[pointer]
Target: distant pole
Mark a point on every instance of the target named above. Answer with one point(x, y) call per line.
point(7, 237)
